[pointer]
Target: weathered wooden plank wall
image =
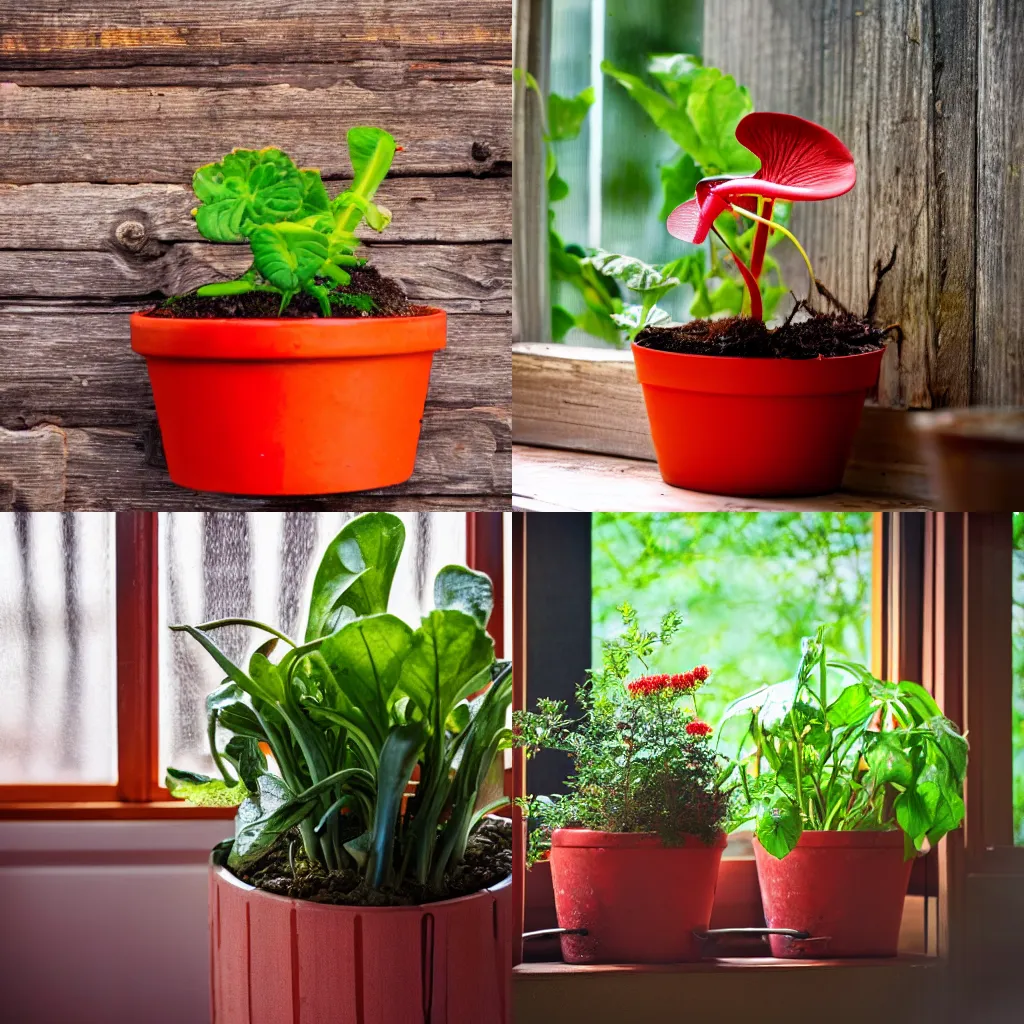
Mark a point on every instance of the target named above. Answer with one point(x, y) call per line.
point(926, 93)
point(106, 108)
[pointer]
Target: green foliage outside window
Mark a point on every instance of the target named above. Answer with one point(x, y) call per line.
point(748, 585)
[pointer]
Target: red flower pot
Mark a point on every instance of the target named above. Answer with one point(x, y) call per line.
point(289, 406)
point(285, 961)
point(638, 899)
point(845, 888)
point(754, 427)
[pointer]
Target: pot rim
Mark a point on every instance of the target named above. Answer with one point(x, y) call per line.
point(737, 376)
point(761, 360)
point(254, 339)
point(221, 872)
point(576, 838)
point(836, 839)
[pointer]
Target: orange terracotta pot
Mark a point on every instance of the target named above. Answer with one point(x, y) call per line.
point(639, 900)
point(285, 961)
point(757, 427)
point(845, 888)
point(289, 406)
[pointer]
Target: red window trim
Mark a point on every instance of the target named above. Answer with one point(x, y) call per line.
point(138, 792)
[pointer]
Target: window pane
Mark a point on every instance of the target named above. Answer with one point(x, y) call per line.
point(261, 565)
point(748, 585)
point(1018, 678)
point(58, 712)
point(613, 167)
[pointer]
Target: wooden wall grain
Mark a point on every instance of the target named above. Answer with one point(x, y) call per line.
point(926, 93)
point(106, 108)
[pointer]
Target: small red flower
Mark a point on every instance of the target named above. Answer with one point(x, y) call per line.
point(698, 728)
point(647, 685)
point(680, 682)
point(701, 673)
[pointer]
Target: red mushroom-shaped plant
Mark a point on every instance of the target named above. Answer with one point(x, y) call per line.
point(800, 162)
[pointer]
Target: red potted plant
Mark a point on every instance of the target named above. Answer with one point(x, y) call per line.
point(636, 842)
point(309, 373)
point(340, 896)
point(736, 407)
point(844, 785)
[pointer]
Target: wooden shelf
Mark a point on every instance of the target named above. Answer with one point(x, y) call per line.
point(768, 990)
point(555, 480)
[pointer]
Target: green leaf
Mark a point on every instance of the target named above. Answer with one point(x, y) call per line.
point(660, 108)
point(636, 275)
point(779, 826)
point(451, 657)
point(566, 114)
point(715, 104)
point(366, 658)
point(678, 182)
point(246, 189)
point(288, 255)
point(854, 706)
point(398, 757)
point(634, 319)
point(887, 760)
point(251, 761)
point(314, 196)
point(203, 791)
point(455, 586)
point(355, 574)
point(371, 151)
point(225, 288)
point(951, 743)
point(562, 321)
point(675, 73)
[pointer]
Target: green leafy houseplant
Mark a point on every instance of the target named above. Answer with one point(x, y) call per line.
point(349, 712)
point(872, 756)
point(642, 759)
point(301, 240)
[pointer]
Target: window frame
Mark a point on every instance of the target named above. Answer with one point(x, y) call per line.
point(139, 793)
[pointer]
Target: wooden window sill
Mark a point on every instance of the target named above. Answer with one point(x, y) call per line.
point(556, 480)
point(108, 810)
point(907, 987)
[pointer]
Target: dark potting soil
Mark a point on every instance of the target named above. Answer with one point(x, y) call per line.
point(820, 334)
point(386, 293)
point(488, 860)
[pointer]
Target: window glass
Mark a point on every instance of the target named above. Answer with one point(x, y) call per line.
point(261, 565)
point(58, 713)
point(613, 168)
point(1018, 678)
point(748, 585)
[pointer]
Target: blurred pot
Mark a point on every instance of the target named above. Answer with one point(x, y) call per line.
point(976, 458)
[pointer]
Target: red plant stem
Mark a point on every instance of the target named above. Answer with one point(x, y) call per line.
point(757, 251)
point(756, 308)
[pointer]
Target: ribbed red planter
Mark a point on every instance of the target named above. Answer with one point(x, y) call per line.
point(845, 888)
point(282, 961)
point(639, 900)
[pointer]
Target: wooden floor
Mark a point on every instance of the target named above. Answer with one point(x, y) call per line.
point(554, 480)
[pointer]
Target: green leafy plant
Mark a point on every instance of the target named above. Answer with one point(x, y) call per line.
point(698, 108)
point(870, 755)
point(642, 759)
point(349, 713)
point(301, 240)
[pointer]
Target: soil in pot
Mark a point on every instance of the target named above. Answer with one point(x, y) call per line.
point(818, 335)
point(385, 293)
point(846, 888)
point(488, 861)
